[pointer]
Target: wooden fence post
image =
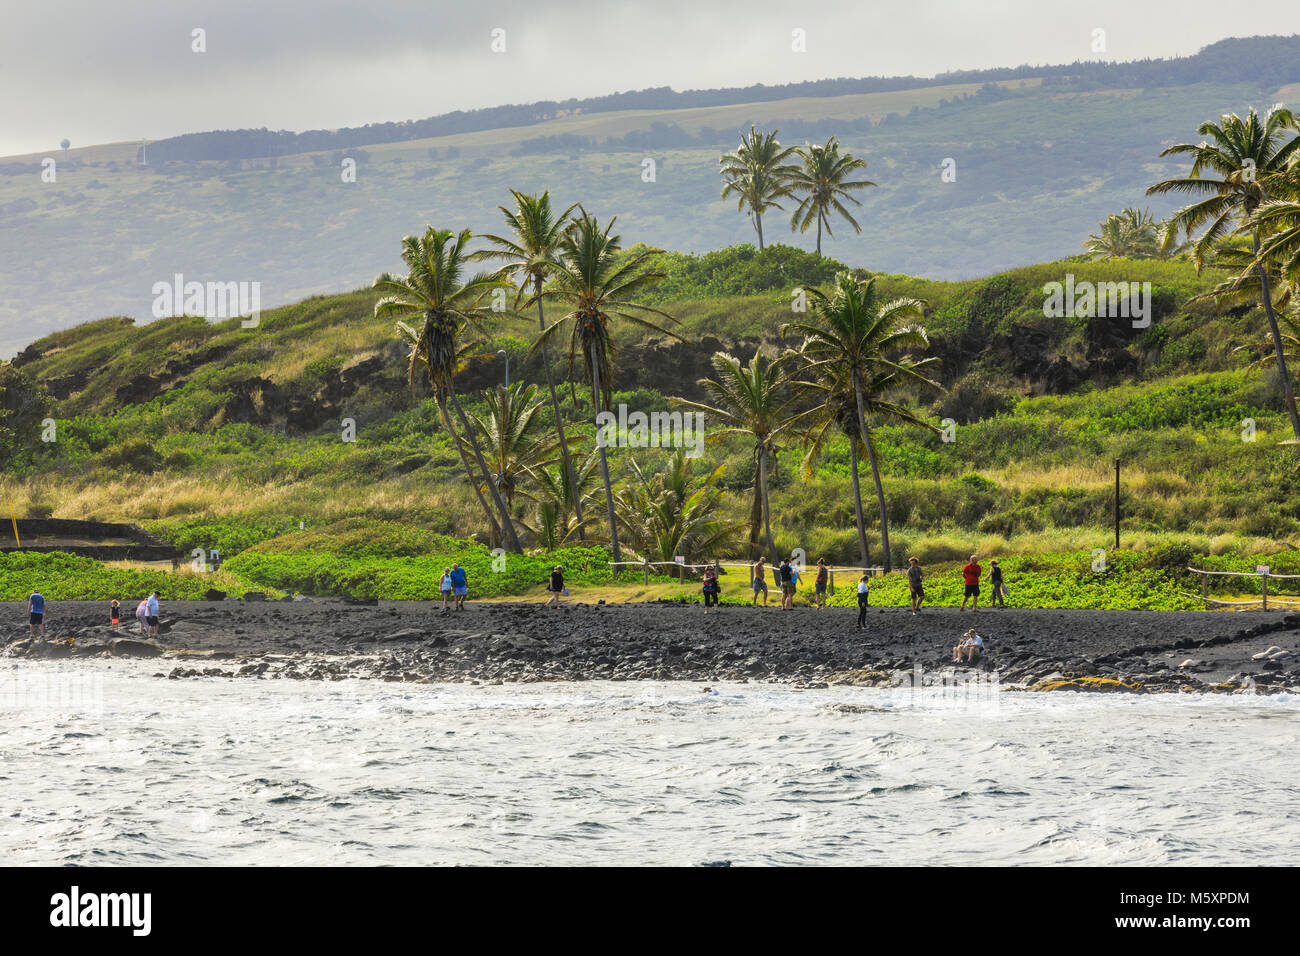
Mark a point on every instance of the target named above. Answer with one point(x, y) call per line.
point(831, 582)
point(1263, 582)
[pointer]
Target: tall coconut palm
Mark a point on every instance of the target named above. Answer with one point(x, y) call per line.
point(597, 285)
point(825, 184)
point(435, 294)
point(751, 400)
point(672, 512)
point(1234, 171)
point(758, 175)
point(835, 411)
point(529, 252)
point(855, 343)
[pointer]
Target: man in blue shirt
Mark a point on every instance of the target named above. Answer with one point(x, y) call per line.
point(36, 614)
point(459, 585)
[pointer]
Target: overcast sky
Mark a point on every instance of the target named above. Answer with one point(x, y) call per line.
point(97, 71)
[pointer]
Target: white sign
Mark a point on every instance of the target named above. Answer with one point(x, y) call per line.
point(1261, 569)
point(680, 559)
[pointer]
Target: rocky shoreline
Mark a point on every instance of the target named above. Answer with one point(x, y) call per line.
point(1028, 649)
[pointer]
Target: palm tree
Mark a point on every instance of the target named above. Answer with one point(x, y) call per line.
point(529, 252)
point(554, 522)
point(1289, 323)
point(671, 513)
point(825, 184)
point(758, 175)
point(435, 294)
point(835, 411)
point(509, 434)
point(1244, 160)
point(597, 284)
point(850, 349)
point(1130, 234)
point(751, 399)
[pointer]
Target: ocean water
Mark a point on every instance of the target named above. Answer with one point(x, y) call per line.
point(102, 763)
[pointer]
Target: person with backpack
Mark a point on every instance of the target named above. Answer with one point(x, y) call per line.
point(711, 588)
point(999, 593)
point(864, 600)
point(459, 585)
point(556, 586)
point(823, 576)
point(36, 614)
point(445, 586)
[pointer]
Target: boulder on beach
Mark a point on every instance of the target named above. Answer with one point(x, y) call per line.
point(254, 596)
point(1265, 655)
point(367, 602)
point(212, 594)
point(126, 647)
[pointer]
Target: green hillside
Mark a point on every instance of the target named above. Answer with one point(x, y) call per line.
point(221, 437)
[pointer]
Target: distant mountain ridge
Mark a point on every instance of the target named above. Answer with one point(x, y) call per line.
point(1267, 61)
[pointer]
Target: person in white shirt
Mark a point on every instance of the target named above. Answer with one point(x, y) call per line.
point(970, 649)
point(151, 614)
point(142, 616)
point(864, 600)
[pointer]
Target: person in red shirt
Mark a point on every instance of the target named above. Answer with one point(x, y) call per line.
point(971, 573)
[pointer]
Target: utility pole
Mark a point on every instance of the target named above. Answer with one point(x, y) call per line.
point(1116, 504)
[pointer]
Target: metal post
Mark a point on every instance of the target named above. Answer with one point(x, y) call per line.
point(1263, 587)
point(831, 582)
point(1116, 504)
point(647, 572)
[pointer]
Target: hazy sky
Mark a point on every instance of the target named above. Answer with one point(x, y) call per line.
point(100, 71)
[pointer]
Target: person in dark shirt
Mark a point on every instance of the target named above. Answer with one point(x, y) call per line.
point(823, 574)
point(711, 588)
point(914, 584)
point(555, 586)
point(999, 593)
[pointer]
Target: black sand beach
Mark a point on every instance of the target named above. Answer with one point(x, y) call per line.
point(1132, 651)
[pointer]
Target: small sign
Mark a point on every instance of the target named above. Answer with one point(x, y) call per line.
point(680, 558)
point(1261, 569)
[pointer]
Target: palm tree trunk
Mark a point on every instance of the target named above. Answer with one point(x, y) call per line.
point(767, 504)
point(758, 224)
point(819, 237)
point(1277, 342)
point(604, 461)
point(507, 526)
point(875, 472)
point(857, 502)
point(464, 460)
point(756, 515)
point(559, 421)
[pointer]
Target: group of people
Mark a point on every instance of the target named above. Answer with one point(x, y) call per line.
point(454, 586)
point(146, 613)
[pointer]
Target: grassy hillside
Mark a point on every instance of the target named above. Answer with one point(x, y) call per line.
point(1037, 167)
point(221, 437)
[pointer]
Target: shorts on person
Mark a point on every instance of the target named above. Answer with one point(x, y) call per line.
point(759, 585)
point(972, 590)
point(787, 587)
point(151, 620)
point(462, 591)
point(36, 618)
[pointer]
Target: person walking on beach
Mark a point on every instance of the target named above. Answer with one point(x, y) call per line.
point(36, 614)
point(999, 593)
point(758, 580)
point(914, 584)
point(444, 587)
point(555, 586)
point(142, 617)
point(459, 585)
point(115, 613)
point(711, 588)
point(864, 600)
point(971, 575)
point(823, 575)
point(151, 613)
point(785, 574)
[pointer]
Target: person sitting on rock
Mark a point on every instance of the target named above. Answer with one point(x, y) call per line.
point(970, 648)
